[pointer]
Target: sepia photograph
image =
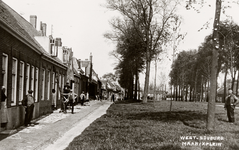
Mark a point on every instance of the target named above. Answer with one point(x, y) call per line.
point(119, 74)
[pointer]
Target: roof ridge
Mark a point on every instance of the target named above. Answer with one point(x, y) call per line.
point(24, 29)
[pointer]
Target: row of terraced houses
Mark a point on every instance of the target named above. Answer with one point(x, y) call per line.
point(32, 60)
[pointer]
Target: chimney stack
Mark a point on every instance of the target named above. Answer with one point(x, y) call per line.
point(33, 21)
point(43, 29)
point(58, 42)
point(91, 57)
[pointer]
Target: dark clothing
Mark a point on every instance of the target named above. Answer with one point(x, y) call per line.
point(82, 98)
point(71, 102)
point(28, 102)
point(230, 104)
point(66, 90)
point(3, 96)
point(113, 98)
point(29, 114)
point(230, 113)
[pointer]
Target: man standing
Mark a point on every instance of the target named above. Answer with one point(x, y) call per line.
point(82, 98)
point(113, 98)
point(230, 104)
point(72, 96)
point(28, 103)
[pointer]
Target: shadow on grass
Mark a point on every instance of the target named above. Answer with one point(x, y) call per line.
point(170, 147)
point(128, 101)
point(189, 118)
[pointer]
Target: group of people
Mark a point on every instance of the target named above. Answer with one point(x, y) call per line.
point(69, 98)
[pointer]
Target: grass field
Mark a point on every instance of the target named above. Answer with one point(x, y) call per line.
point(132, 125)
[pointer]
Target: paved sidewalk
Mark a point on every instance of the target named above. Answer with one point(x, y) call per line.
point(50, 130)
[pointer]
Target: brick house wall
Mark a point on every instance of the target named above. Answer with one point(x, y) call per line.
point(15, 48)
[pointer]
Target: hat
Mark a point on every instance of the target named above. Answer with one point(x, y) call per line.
point(30, 91)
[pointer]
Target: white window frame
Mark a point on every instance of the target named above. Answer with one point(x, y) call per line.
point(43, 83)
point(14, 81)
point(32, 78)
point(27, 77)
point(36, 84)
point(21, 82)
point(63, 80)
point(59, 94)
point(5, 73)
point(48, 85)
point(53, 80)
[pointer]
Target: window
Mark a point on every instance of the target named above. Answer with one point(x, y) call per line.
point(55, 87)
point(32, 78)
point(14, 81)
point(36, 85)
point(27, 77)
point(52, 43)
point(43, 83)
point(4, 70)
point(63, 80)
point(59, 94)
point(53, 80)
point(48, 85)
point(21, 82)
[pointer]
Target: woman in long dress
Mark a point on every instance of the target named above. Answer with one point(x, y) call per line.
point(3, 106)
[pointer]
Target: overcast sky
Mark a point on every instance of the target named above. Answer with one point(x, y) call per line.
point(82, 23)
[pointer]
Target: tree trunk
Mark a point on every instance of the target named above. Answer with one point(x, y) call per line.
point(155, 79)
point(179, 92)
point(233, 80)
point(186, 96)
point(190, 94)
point(213, 79)
point(132, 87)
point(182, 91)
point(195, 87)
point(237, 83)
point(201, 97)
point(225, 86)
point(146, 84)
point(136, 85)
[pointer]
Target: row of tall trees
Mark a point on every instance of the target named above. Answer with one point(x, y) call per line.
point(143, 26)
point(151, 19)
point(191, 71)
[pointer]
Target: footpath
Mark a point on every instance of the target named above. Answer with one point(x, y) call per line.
point(56, 130)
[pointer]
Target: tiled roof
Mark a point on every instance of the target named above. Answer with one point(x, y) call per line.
point(23, 28)
point(8, 18)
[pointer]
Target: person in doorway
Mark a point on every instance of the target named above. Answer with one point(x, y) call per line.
point(82, 98)
point(28, 103)
point(230, 103)
point(3, 106)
